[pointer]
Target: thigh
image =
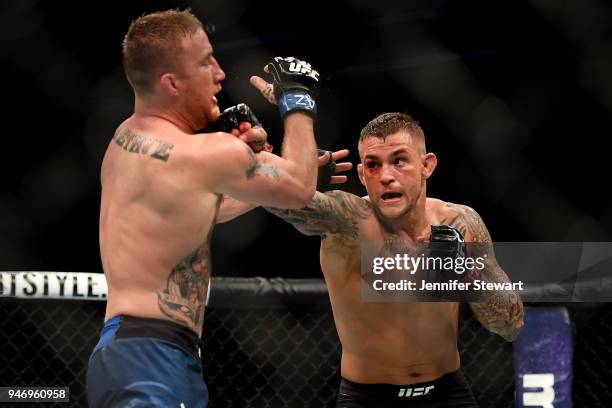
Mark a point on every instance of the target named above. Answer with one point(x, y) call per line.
point(457, 394)
point(136, 371)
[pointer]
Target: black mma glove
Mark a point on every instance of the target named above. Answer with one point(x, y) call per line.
point(447, 242)
point(233, 116)
point(325, 172)
point(296, 85)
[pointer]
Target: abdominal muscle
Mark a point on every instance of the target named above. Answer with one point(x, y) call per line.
point(394, 342)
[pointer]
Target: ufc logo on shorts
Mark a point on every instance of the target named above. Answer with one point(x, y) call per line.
point(414, 392)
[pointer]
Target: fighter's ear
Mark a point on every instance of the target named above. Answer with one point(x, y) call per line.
point(430, 161)
point(168, 85)
point(360, 173)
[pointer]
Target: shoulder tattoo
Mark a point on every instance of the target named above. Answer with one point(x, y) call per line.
point(256, 167)
point(148, 146)
point(469, 223)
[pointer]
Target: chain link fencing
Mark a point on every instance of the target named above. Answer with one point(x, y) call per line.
point(275, 348)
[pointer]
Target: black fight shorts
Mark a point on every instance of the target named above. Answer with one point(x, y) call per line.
point(450, 390)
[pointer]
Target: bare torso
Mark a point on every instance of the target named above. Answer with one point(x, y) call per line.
point(388, 342)
point(155, 221)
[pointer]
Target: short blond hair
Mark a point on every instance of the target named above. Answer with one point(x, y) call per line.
point(153, 44)
point(390, 123)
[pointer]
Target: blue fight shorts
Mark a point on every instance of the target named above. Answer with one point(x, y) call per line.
point(142, 362)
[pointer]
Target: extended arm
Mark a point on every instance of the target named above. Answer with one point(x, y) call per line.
point(332, 213)
point(231, 208)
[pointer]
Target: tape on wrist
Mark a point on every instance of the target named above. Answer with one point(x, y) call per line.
point(298, 100)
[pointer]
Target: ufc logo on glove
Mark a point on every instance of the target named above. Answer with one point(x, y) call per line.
point(303, 68)
point(295, 85)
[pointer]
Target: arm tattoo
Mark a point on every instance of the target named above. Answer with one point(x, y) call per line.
point(501, 311)
point(469, 223)
point(257, 168)
point(135, 143)
point(184, 297)
point(268, 93)
point(335, 212)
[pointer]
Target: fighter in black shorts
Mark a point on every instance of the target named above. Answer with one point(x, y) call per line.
point(450, 390)
point(398, 353)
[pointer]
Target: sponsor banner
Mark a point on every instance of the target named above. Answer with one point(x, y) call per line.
point(53, 285)
point(543, 355)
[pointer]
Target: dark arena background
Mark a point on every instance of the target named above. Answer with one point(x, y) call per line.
point(515, 98)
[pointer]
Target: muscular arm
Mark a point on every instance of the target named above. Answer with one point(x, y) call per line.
point(231, 208)
point(501, 311)
point(332, 213)
point(264, 178)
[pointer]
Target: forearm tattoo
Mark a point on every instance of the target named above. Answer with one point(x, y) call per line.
point(335, 212)
point(148, 146)
point(268, 93)
point(501, 312)
point(184, 297)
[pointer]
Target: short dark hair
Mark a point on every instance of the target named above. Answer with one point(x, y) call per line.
point(153, 43)
point(390, 123)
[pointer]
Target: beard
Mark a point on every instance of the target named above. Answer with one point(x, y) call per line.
point(213, 114)
point(205, 115)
